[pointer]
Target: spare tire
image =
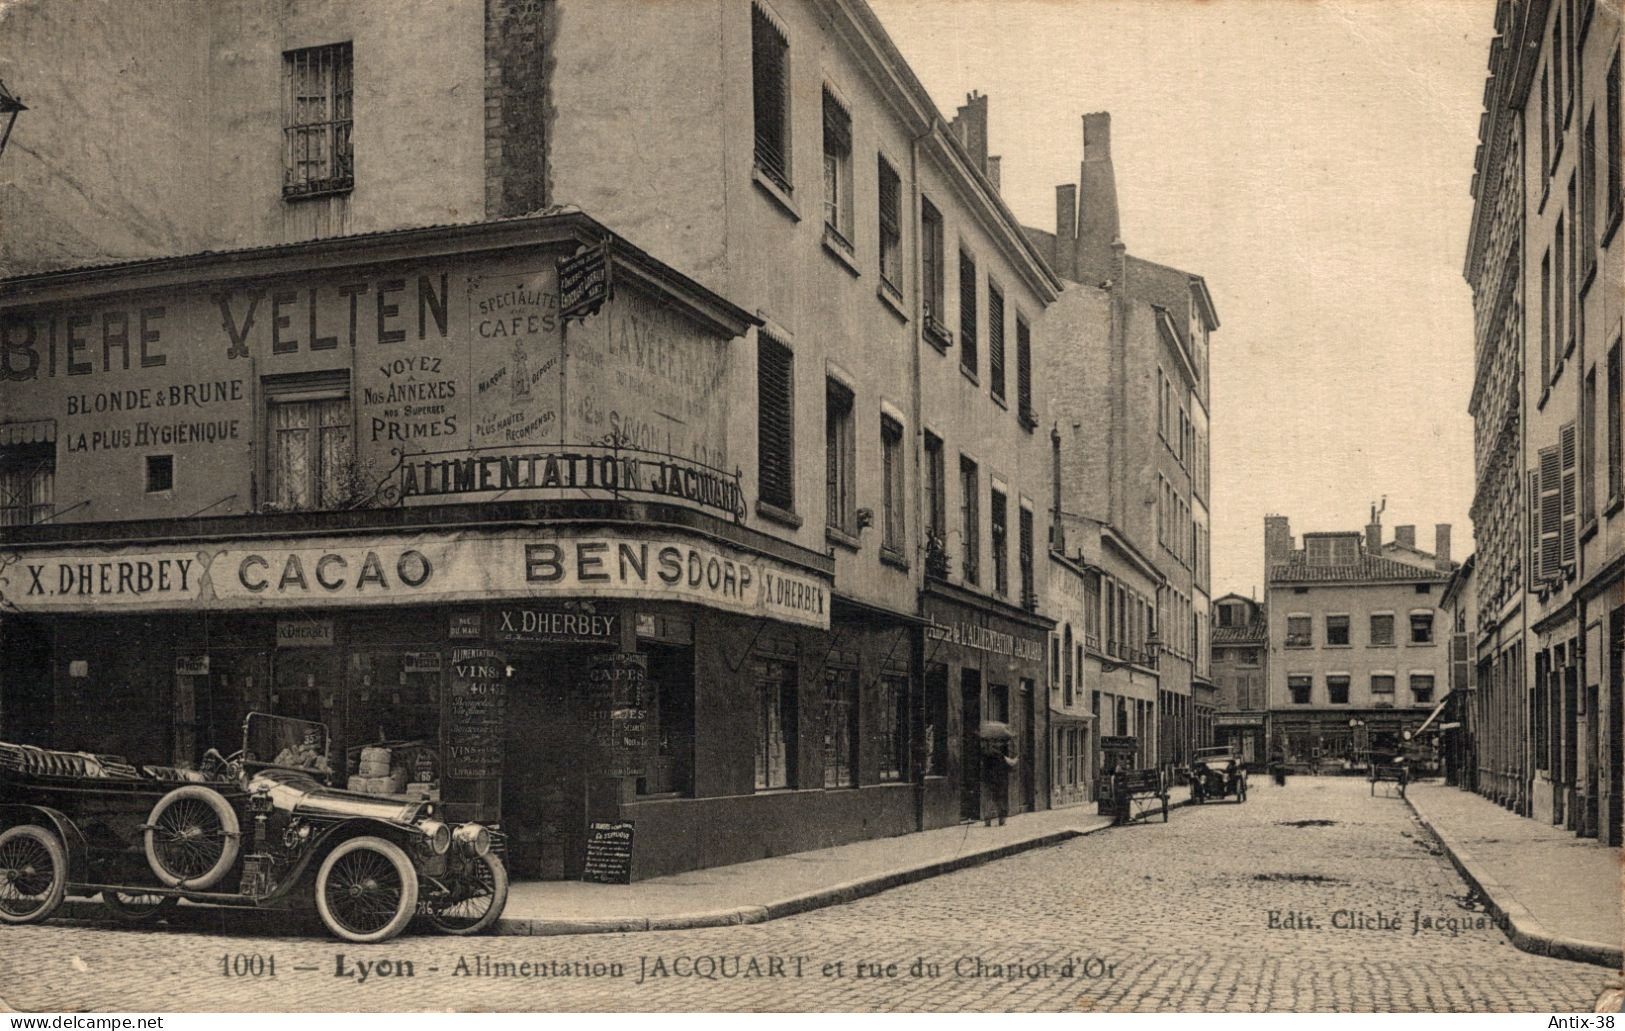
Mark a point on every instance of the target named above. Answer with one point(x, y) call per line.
point(192, 837)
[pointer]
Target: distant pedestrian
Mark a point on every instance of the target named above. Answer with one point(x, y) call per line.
point(996, 767)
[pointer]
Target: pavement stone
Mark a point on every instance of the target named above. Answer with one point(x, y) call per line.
point(1226, 907)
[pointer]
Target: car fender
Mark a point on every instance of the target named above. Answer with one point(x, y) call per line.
point(324, 839)
point(13, 814)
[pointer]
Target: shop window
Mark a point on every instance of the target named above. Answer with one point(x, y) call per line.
point(309, 462)
point(936, 720)
point(775, 431)
point(1337, 630)
point(317, 119)
point(1382, 628)
point(891, 474)
point(840, 727)
point(891, 727)
point(393, 701)
point(837, 170)
point(1421, 628)
point(668, 765)
point(1422, 688)
point(840, 455)
point(998, 521)
point(775, 724)
point(998, 703)
point(770, 95)
point(27, 482)
point(1337, 688)
point(1301, 688)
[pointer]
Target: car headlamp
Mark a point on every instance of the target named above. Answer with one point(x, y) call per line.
point(439, 835)
point(474, 839)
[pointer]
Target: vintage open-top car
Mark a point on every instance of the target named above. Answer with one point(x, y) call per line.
point(260, 828)
point(1217, 773)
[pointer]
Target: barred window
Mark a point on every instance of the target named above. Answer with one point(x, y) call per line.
point(27, 482)
point(775, 434)
point(775, 724)
point(891, 727)
point(317, 120)
point(770, 82)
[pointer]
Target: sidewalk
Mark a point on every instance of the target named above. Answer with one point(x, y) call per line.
point(1553, 893)
point(748, 893)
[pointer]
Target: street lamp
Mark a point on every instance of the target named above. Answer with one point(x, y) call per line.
point(1153, 645)
point(11, 106)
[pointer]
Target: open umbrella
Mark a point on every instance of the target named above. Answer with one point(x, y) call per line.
point(992, 730)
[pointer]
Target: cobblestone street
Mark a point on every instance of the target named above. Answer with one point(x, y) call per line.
point(1226, 907)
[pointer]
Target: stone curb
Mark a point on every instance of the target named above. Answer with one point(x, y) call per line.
point(1520, 926)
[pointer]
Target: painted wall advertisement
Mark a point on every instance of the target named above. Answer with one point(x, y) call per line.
point(476, 707)
point(562, 563)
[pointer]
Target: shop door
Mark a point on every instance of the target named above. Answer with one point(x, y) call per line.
point(970, 745)
point(544, 778)
point(1029, 749)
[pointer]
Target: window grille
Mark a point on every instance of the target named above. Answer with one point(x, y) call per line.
point(840, 727)
point(318, 116)
point(27, 483)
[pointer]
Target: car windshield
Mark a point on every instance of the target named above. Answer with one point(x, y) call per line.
point(285, 741)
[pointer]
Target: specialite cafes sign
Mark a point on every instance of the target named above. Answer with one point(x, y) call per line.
point(352, 571)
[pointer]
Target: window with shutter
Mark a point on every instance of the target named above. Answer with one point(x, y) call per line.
point(771, 97)
point(932, 271)
point(837, 169)
point(995, 340)
point(1570, 496)
point(1551, 513)
point(1024, 543)
point(967, 312)
point(1024, 374)
point(775, 436)
point(840, 458)
point(970, 520)
point(1534, 527)
point(1588, 447)
point(891, 226)
point(1616, 426)
point(997, 519)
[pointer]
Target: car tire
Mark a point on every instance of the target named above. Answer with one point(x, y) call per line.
point(181, 833)
point(135, 907)
point(495, 876)
point(33, 874)
point(367, 890)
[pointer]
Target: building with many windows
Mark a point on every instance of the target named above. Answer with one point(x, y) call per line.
point(1543, 253)
point(1359, 646)
point(1241, 656)
point(1125, 392)
point(333, 436)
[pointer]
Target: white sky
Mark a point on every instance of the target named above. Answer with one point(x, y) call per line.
point(1310, 159)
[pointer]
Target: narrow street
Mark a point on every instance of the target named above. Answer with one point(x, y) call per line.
point(1226, 907)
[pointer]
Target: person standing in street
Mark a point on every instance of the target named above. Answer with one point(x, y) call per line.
point(996, 766)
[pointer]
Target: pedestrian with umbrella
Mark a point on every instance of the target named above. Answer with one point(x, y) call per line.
point(997, 762)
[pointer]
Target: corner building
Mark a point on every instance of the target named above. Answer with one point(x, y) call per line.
point(788, 477)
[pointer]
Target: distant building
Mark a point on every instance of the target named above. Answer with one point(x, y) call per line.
point(1241, 649)
point(1358, 641)
point(1457, 733)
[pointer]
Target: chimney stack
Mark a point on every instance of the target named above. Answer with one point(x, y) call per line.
point(1277, 542)
point(1373, 533)
point(993, 171)
point(970, 125)
point(1405, 535)
point(1441, 545)
point(1098, 227)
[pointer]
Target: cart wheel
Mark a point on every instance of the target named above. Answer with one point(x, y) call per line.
point(137, 908)
point(479, 895)
point(192, 837)
point(367, 890)
point(33, 874)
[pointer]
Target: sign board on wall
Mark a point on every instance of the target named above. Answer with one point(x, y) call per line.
point(565, 562)
point(475, 723)
point(555, 624)
point(304, 633)
point(617, 685)
point(609, 852)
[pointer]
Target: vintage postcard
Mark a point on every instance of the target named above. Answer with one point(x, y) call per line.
point(808, 505)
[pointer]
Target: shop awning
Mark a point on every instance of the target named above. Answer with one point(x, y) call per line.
point(1435, 713)
point(32, 431)
point(1063, 716)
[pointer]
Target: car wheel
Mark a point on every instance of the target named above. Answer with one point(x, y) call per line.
point(366, 890)
point(33, 874)
point(478, 897)
point(192, 837)
point(137, 908)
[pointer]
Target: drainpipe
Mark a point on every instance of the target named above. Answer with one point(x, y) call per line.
point(917, 435)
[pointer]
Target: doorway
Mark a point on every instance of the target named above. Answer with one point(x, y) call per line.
point(544, 780)
point(970, 744)
point(1029, 748)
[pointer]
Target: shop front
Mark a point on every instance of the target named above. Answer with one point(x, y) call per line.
point(1345, 740)
point(1244, 734)
point(983, 666)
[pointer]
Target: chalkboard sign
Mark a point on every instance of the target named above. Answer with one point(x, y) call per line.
point(609, 852)
point(477, 706)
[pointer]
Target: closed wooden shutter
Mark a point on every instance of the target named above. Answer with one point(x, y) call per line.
point(891, 224)
point(967, 311)
point(1533, 568)
point(771, 97)
point(1024, 374)
point(995, 341)
point(1029, 599)
point(1551, 513)
point(1567, 443)
point(773, 422)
